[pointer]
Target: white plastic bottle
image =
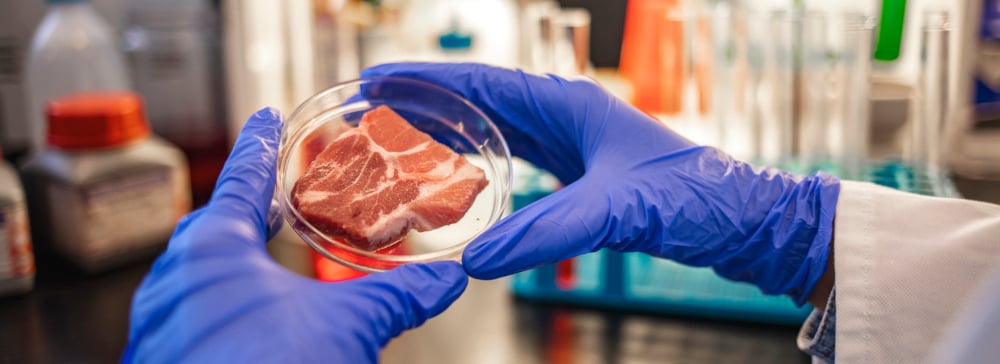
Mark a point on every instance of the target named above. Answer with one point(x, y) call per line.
point(73, 50)
point(105, 191)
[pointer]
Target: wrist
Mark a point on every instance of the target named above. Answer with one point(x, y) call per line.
point(820, 294)
point(814, 274)
point(788, 223)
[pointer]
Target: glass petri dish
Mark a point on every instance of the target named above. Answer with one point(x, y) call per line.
point(447, 117)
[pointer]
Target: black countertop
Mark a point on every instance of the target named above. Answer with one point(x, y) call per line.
point(74, 318)
point(488, 325)
point(71, 317)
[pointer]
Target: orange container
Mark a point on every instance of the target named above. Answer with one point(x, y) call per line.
point(656, 56)
point(652, 55)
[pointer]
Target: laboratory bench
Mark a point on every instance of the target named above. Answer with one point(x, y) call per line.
point(76, 318)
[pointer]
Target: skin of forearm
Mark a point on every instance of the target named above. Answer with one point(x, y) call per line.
point(821, 292)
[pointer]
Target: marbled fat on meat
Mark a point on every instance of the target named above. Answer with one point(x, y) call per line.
point(379, 180)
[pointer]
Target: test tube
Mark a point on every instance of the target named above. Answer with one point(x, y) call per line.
point(833, 90)
point(768, 91)
point(572, 41)
point(816, 73)
point(931, 98)
point(727, 106)
point(537, 35)
point(701, 60)
point(556, 40)
point(856, 122)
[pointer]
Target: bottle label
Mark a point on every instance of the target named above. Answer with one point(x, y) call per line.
point(119, 214)
point(16, 256)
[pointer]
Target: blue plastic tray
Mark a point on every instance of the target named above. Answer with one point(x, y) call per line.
point(638, 282)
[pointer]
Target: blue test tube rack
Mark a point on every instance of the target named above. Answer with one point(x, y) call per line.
point(641, 283)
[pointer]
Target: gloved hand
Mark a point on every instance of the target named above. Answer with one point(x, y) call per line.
point(633, 185)
point(215, 296)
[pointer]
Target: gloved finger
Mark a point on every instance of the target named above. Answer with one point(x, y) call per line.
point(568, 223)
point(407, 296)
point(541, 117)
point(246, 184)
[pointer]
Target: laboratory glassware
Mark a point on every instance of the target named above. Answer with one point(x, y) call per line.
point(561, 45)
point(924, 148)
point(727, 62)
point(770, 86)
point(833, 84)
point(535, 34)
point(704, 69)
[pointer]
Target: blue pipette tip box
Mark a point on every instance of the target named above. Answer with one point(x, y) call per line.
point(642, 283)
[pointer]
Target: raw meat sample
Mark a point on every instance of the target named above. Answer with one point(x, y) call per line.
point(379, 180)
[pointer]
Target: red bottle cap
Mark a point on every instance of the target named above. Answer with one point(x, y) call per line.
point(96, 120)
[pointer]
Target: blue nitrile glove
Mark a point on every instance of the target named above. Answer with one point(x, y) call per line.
point(634, 185)
point(215, 296)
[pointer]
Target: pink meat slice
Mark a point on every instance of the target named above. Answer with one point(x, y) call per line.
point(376, 182)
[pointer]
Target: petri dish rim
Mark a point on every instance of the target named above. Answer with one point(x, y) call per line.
point(293, 217)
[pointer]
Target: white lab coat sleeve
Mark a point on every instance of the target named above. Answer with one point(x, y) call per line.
point(906, 267)
point(973, 338)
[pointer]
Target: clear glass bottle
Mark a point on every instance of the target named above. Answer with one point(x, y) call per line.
point(73, 50)
point(173, 53)
point(104, 191)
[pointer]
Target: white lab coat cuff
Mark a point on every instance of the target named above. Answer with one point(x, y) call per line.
point(905, 265)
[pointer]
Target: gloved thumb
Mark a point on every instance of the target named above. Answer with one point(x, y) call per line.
point(565, 224)
point(407, 296)
point(246, 184)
